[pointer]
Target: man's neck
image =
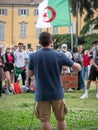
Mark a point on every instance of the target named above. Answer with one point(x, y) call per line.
point(47, 47)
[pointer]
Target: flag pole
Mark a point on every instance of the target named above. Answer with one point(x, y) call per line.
point(72, 37)
point(71, 42)
point(47, 29)
point(77, 3)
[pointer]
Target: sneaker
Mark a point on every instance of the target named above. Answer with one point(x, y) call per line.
point(97, 95)
point(84, 96)
point(23, 86)
point(7, 92)
point(19, 77)
point(70, 90)
point(11, 87)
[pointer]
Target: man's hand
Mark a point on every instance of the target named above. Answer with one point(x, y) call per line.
point(1, 64)
point(30, 73)
point(95, 65)
point(97, 68)
point(77, 66)
point(64, 68)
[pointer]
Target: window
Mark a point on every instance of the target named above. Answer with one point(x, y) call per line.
point(2, 28)
point(38, 48)
point(3, 11)
point(23, 27)
point(35, 12)
point(23, 12)
point(55, 30)
point(38, 31)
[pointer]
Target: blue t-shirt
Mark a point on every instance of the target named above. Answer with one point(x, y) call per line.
point(47, 65)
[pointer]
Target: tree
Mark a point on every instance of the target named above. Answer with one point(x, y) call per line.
point(87, 25)
point(59, 39)
point(83, 5)
point(90, 6)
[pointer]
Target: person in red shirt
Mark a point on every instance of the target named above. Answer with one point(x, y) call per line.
point(86, 63)
point(9, 68)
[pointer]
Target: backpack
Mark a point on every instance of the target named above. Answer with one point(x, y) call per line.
point(96, 58)
point(17, 88)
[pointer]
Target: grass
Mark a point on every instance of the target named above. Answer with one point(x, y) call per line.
point(16, 112)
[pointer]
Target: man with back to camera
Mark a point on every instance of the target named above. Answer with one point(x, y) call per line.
point(93, 70)
point(46, 65)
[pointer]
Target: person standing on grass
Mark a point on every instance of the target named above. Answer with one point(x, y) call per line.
point(46, 65)
point(93, 70)
point(77, 57)
point(2, 75)
point(9, 69)
point(67, 53)
point(86, 63)
point(20, 56)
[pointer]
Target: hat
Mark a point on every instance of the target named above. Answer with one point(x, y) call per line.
point(64, 45)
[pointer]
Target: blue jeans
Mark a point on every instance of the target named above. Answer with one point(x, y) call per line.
point(81, 83)
point(85, 72)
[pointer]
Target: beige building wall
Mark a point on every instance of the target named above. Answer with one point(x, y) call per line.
point(8, 29)
point(12, 26)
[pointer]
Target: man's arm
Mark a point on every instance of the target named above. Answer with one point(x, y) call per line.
point(30, 73)
point(92, 61)
point(76, 66)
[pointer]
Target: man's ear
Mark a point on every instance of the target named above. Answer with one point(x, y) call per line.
point(51, 41)
point(39, 42)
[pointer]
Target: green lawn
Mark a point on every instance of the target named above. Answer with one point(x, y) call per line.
point(16, 112)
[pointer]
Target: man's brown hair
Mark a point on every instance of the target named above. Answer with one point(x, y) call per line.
point(44, 39)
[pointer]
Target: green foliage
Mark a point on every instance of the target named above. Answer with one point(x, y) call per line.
point(86, 27)
point(90, 7)
point(83, 5)
point(60, 39)
point(85, 40)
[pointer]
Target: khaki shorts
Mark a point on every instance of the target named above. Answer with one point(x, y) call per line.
point(43, 110)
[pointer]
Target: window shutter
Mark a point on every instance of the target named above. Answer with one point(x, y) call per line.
point(27, 12)
point(5, 12)
point(34, 12)
point(19, 12)
point(1, 31)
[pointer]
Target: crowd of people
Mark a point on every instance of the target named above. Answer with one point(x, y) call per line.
point(45, 67)
point(13, 66)
point(88, 59)
point(14, 62)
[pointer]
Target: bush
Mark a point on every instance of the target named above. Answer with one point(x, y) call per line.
point(86, 40)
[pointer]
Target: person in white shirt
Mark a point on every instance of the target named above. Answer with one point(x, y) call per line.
point(20, 56)
point(64, 49)
point(67, 53)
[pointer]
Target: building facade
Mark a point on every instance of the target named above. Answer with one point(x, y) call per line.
point(18, 23)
